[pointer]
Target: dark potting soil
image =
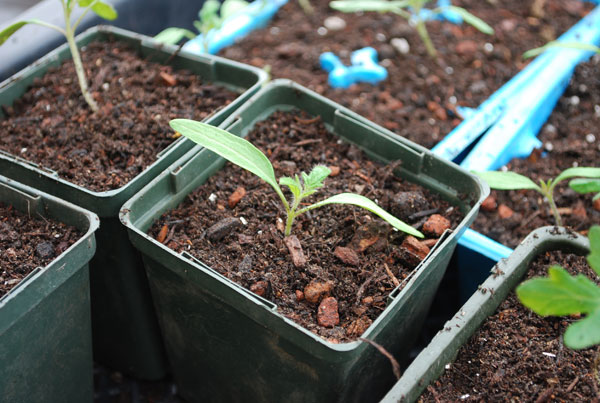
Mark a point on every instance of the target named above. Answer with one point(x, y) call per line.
point(27, 242)
point(418, 99)
point(570, 138)
point(518, 355)
point(254, 254)
point(53, 126)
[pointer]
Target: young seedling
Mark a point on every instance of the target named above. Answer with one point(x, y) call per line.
point(584, 186)
point(99, 7)
point(211, 16)
point(247, 156)
point(411, 10)
point(514, 181)
point(557, 44)
point(561, 294)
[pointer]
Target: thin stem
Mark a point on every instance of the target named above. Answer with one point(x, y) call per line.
point(306, 7)
point(51, 26)
point(74, 27)
point(292, 213)
point(422, 31)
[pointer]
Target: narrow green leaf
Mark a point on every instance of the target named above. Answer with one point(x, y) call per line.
point(585, 185)
point(11, 29)
point(469, 18)
point(230, 147)
point(361, 201)
point(557, 44)
point(209, 10)
point(507, 180)
point(84, 3)
point(174, 35)
point(594, 257)
point(104, 10)
point(231, 7)
point(583, 172)
point(584, 333)
point(559, 293)
point(382, 6)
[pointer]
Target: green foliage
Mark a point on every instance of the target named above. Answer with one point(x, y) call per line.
point(211, 16)
point(557, 44)
point(586, 186)
point(561, 294)
point(247, 156)
point(410, 10)
point(104, 10)
point(513, 181)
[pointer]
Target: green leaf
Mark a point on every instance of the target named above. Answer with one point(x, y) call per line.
point(382, 6)
point(557, 44)
point(584, 333)
point(174, 35)
point(231, 7)
point(585, 185)
point(584, 172)
point(594, 257)
point(11, 29)
point(230, 147)
point(315, 179)
point(294, 185)
point(361, 201)
point(209, 11)
point(559, 293)
point(507, 180)
point(84, 3)
point(469, 18)
point(104, 10)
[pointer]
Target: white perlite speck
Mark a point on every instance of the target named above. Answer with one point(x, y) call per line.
point(401, 45)
point(334, 23)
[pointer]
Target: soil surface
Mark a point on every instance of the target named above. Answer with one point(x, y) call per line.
point(28, 242)
point(570, 138)
point(419, 98)
point(53, 126)
point(356, 278)
point(517, 355)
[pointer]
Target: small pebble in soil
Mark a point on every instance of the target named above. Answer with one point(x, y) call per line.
point(449, 70)
point(246, 264)
point(334, 23)
point(488, 47)
point(347, 255)
point(316, 290)
point(327, 314)
point(504, 211)
point(416, 247)
point(590, 138)
point(597, 204)
point(574, 100)
point(222, 228)
point(548, 146)
point(489, 204)
point(322, 31)
point(261, 288)
point(401, 45)
point(44, 250)
point(436, 225)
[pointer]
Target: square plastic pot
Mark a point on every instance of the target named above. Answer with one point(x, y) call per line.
point(126, 335)
point(444, 347)
point(227, 343)
point(45, 324)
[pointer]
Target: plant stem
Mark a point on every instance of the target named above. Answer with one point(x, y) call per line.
point(306, 7)
point(555, 212)
point(422, 31)
point(70, 35)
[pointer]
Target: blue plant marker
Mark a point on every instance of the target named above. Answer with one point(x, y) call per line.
point(364, 68)
point(444, 15)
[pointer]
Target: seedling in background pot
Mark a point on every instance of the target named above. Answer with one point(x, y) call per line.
point(514, 181)
point(211, 16)
point(561, 294)
point(101, 8)
point(564, 45)
point(411, 10)
point(247, 156)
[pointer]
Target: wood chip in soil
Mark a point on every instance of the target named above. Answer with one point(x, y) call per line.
point(418, 99)
point(517, 355)
point(27, 242)
point(254, 254)
point(52, 125)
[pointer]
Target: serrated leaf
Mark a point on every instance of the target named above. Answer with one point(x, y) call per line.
point(594, 257)
point(582, 172)
point(230, 147)
point(315, 178)
point(174, 35)
point(507, 180)
point(104, 10)
point(350, 6)
point(231, 7)
point(469, 18)
point(585, 332)
point(559, 294)
point(293, 184)
point(367, 204)
point(11, 29)
point(585, 185)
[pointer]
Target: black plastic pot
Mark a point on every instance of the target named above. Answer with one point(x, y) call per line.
point(225, 342)
point(126, 335)
point(45, 325)
point(444, 347)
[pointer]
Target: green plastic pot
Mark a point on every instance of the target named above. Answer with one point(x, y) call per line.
point(507, 274)
point(45, 324)
point(226, 343)
point(126, 334)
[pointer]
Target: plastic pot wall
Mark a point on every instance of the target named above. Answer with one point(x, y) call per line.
point(227, 343)
point(443, 349)
point(45, 326)
point(147, 17)
point(126, 335)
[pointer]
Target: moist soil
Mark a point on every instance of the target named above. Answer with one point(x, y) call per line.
point(570, 138)
point(28, 242)
point(254, 254)
point(418, 99)
point(52, 125)
point(517, 355)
